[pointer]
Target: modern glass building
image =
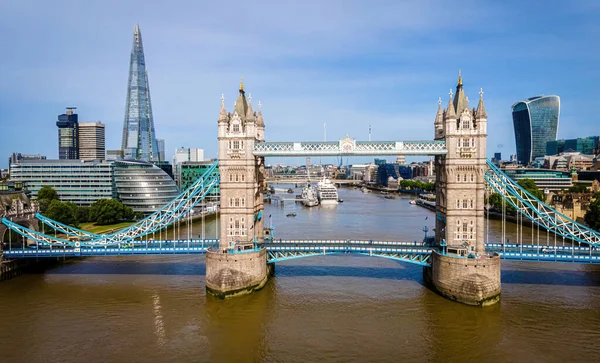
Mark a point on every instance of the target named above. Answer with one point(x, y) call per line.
point(536, 123)
point(143, 186)
point(68, 135)
point(139, 140)
point(545, 179)
point(190, 171)
point(585, 145)
point(77, 181)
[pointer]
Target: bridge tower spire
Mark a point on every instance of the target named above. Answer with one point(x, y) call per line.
point(239, 265)
point(460, 201)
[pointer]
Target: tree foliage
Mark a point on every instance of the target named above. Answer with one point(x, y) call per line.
point(592, 216)
point(47, 192)
point(578, 188)
point(530, 186)
point(109, 211)
point(415, 184)
point(45, 196)
point(62, 212)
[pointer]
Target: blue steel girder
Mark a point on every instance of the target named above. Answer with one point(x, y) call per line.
point(171, 212)
point(537, 211)
point(351, 147)
point(63, 228)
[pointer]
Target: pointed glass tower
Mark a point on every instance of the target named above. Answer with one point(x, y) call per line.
point(139, 139)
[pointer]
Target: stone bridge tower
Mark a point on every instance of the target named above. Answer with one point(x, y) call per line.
point(239, 265)
point(459, 173)
point(462, 272)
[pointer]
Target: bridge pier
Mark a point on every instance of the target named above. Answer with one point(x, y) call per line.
point(471, 281)
point(233, 274)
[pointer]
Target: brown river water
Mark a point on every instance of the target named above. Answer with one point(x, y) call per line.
point(341, 308)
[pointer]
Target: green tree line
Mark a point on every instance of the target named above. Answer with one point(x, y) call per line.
point(415, 184)
point(101, 212)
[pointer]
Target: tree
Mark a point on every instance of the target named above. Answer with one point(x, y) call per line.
point(47, 192)
point(109, 211)
point(530, 186)
point(592, 216)
point(578, 188)
point(83, 214)
point(45, 196)
point(65, 213)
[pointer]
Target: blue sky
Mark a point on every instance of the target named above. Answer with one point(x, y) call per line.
point(346, 63)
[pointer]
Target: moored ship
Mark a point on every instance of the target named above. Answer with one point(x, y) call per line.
point(327, 192)
point(309, 196)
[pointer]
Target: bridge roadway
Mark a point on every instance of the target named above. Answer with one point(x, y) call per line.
point(282, 250)
point(312, 180)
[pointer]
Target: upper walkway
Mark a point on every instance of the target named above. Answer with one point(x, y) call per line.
point(350, 147)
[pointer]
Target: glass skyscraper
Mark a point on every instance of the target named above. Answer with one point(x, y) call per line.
point(536, 123)
point(68, 135)
point(139, 140)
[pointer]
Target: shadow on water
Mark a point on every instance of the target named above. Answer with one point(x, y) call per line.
point(588, 276)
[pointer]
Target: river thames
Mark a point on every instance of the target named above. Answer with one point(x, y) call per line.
point(340, 308)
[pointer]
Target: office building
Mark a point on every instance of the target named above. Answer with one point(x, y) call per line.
point(190, 171)
point(535, 122)
point(91, 141)
point(68, 132)
point(139, 139)
point(183, 155)
point(584, 145)
point(113, 155)
point(16, 158)
point(545, 179)
point(78, 181)
point(161, 149)
point(143, 186)
point(498, 156)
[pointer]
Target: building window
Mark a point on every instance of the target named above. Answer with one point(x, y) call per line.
point(471, 203)
point(464, 203)
point(243, 177)
point(458, 205)
point(458, 177)
point(236, 145)
point(472, 178)
point(236, 127)
point(465, 177)
point(243, 202)
point(237, 202)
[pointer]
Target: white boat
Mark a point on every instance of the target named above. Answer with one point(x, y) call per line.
point(412, 202)
point(327, 192)
point(365, 190)
point(309, 196)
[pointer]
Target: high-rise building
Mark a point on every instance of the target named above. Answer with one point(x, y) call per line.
point(161, 149)
point(536, 123)
point(68, 132)
point(185, 155)
point(114, 155)
point(498, 156)
point(91, 141)
point(585, 145)
point(139, 140)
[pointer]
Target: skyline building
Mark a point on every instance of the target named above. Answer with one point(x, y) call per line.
point(139, 139)
point(161, 149)
point(68, 135)
point(535, 122)
point(92, 141)
point(185, 155)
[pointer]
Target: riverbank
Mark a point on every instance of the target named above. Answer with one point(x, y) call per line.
point(12, 268)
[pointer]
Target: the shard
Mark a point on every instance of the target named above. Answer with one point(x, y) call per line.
point(139, 138)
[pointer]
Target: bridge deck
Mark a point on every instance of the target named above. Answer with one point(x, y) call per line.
point(281, 250)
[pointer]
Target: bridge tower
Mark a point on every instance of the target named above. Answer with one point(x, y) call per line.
point(239, 265)
point(464, 272)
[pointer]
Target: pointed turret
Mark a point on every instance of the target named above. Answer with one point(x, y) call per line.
point(259, 117)
point(241, 106)
point(460, 99)
point(439, 121)
point(249, 112)
point(480, 107)
point(223, 113)
point(450, 113)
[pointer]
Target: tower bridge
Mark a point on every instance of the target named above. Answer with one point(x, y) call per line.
point(458, 261)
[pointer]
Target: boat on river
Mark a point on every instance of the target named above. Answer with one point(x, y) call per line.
point(309, 196)
point(327, 192)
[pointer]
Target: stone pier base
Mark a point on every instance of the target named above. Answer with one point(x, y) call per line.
point(234, 274)
point(471, 281)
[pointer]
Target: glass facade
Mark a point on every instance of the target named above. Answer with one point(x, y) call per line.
point(139, 140)
point(143, 186)
point(535, 122)
point(584, 145)
point(543, 178)
point(80, 182)
point(191, 171)
point(68, 135)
